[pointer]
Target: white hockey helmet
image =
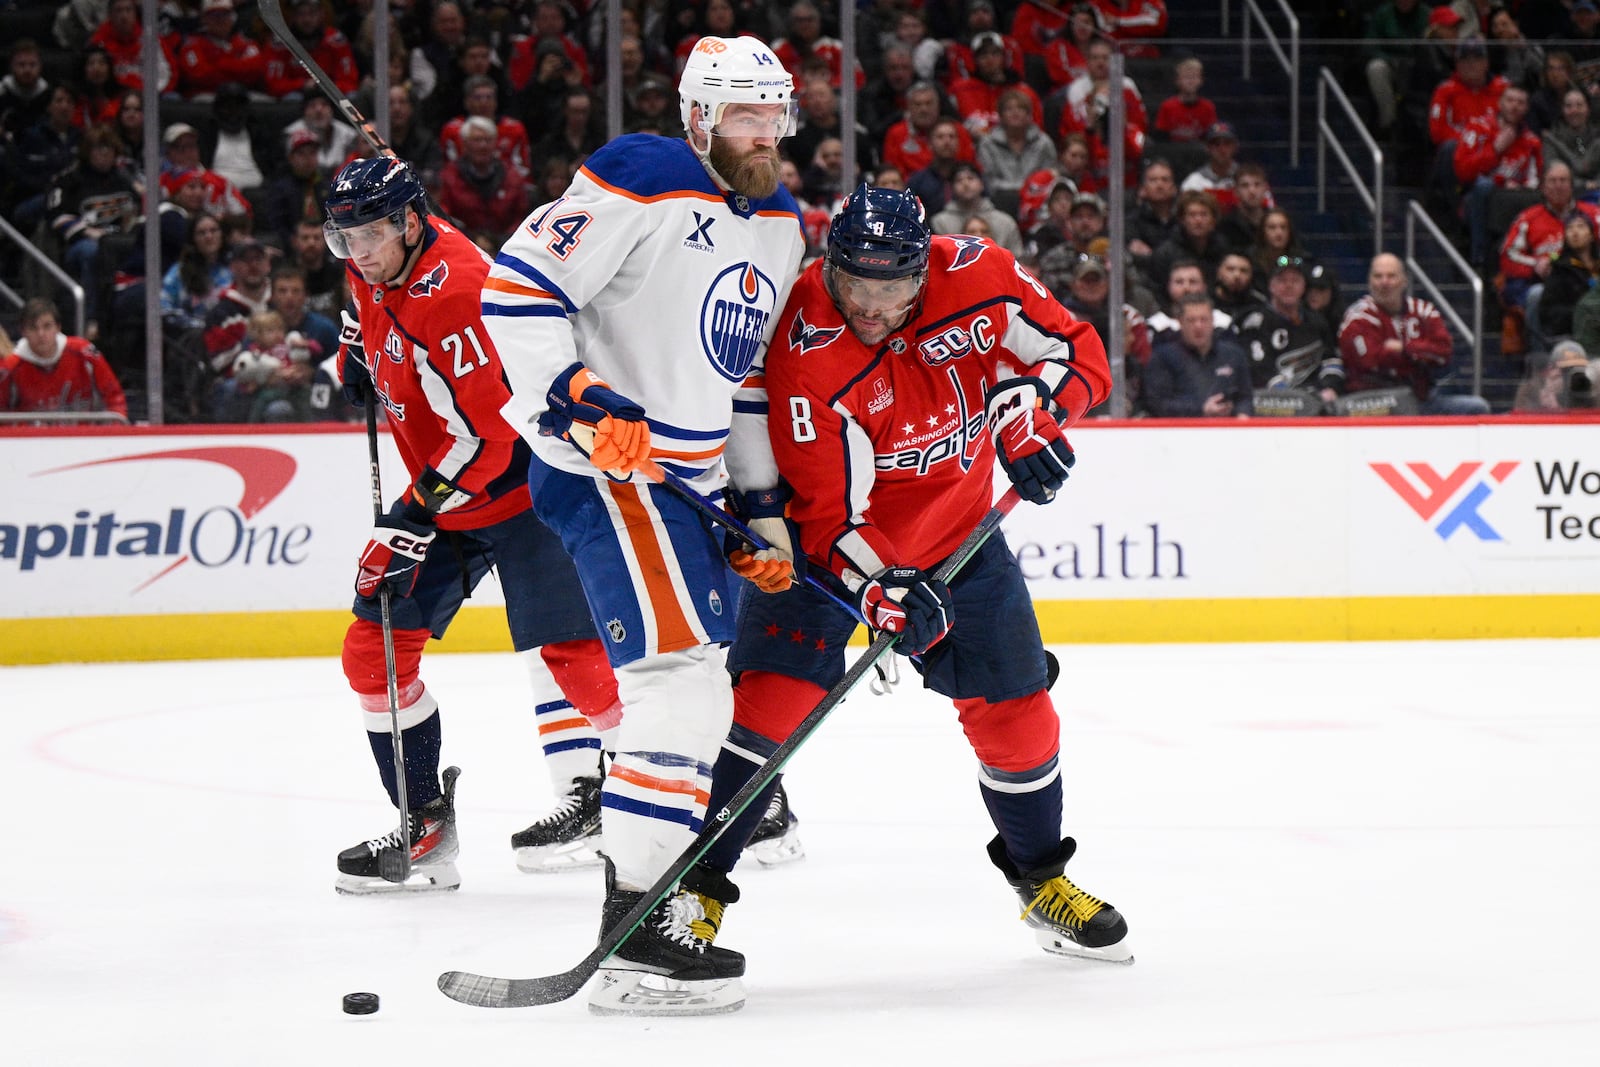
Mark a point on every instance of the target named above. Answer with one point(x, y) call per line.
point(733, 70)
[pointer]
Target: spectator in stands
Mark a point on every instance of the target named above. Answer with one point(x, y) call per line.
point(50, 371)
point(1200, 372)
point(87, 202)
point(968, 199)
point(1531, 243)
point(631, 49)
point(324, 274)
point(283, 76)
point(822, 183)
point(549, 27)
point(805, 40)
point(1183, 279)
point(99, 92)
point(1496, 153)
point(1252, 199)
point(433, 62)
point(24, 91)
point(1547, 102)
point(715, 18)
point(263, 379)
point(237, 145)
point(1071, 168)
point(1235, 291)
point(819, 121)
point(1014, 149)
point(1391, 340)
point(1155, 216)
point(1573, 271)
point(1056, 227)
point(336, 140)
point(958, 58)
point(1186, 115)
point(575, 135)
point(1196, 238)
point(486, 197)
point(1575, 140)
point(1323, 297)
point(410, 139)
point(482, 99)
point(1131, 22)
point(46, 150)
point(290, 299)
point(1086, 110)
point(219, 54)
point(542, 98)
point(182, 143)
point(653, 108)
point(932, 182)
point(1391, 29)
point(1288, 346)
point(1563, 381)
point(1066, 54)
point(908, 146)
point(296, 193)
point(191, 286)
point(1275, 239)
point(1037, 26)
point(129, 124)
point(122, 36)
point(1217, 175)
point(911, 31)
point(1467, 94)
point(227, 323)
point(978, 98)
point(1088, 297)
point(1511, 55)
point(1582, 38)
point(883, 101)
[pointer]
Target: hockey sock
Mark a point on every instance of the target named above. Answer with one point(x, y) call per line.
point(742, 755)
point(571, 746)
point(1016, 742)
point(422, 761)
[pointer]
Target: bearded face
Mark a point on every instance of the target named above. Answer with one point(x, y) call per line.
point(750, 169)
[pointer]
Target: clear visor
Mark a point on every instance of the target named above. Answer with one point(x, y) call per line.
point(754, 121)
point(886, 295)
point(359, 241)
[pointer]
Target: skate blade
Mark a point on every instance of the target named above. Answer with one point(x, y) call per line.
point(628, 992)
point(1057, 945)
point(554, 859)
point(434, 878)
point(776, 851)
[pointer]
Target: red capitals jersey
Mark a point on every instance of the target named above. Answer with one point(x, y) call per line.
point(1455, 103)
point(438, 376)
point(333, 54)
point(1538, 233)
point(886, 447)
point(1424, 341)
point(1518, 167)
point(510, 144)
point(75, 377)
point(205, 63)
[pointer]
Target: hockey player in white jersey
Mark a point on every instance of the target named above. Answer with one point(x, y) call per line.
point(632, 315)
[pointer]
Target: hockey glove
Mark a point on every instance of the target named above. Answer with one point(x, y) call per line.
point(779, 566)
point(355, 381)
point(604, 425)
point(1027, 440)
point(399, 544)
point(910, 602)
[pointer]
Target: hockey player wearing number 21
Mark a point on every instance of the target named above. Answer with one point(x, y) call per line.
point(632, 315)
point(904, 366)
point(414, 341)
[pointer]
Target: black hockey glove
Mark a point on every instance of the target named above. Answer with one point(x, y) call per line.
point(910, 602)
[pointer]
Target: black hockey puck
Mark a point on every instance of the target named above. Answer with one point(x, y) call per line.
point(360, 1003)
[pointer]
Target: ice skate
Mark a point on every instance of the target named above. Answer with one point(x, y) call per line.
point(567, 839)
point(777, 837)
point(668, 966)
point(1066, 920)
point(433, 851)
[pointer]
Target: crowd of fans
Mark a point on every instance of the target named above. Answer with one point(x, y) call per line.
point(994, 112)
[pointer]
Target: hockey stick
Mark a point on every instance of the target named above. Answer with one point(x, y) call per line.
point(486, 992)
point(394, 864)
point(272, 14)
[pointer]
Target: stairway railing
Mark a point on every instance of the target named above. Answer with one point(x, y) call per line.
point(1372, 197)
point(32, 252)
point(1474, 334)
point(1290, 62)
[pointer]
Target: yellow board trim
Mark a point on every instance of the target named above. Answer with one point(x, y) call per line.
point(483, 629)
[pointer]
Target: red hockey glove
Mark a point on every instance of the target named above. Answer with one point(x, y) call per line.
point(1027, 440)
point(604, 425)
point(910, 602)
point(399, 544)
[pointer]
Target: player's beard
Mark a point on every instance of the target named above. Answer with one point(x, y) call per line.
point(753, 173)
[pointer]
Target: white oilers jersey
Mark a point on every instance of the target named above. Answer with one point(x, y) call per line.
point(664, 285)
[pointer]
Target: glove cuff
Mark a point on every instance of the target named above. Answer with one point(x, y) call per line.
point(770, 503)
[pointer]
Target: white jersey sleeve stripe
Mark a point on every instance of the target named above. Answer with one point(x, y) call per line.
point(545, 287)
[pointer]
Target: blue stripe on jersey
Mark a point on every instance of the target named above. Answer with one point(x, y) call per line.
point(568, 746)
point(651, 811)
point(525, 311)
point(534, 275)
point(657, 426)
point(750, 407)
point(549, 706)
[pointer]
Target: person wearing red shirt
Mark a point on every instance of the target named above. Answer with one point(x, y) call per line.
point(1188, 115)
point(331, 49)
point(958, 59)
point(1132, 21)
point(479, 190)
point(1535, 236)
point(805, 41)
point(549, 24)
point(1086, 110)
point(482, 99)
point(978, 97)
point(123, 39)
point(217, 54)
point(907, 147)
point(52, 371)
point(1468, 93)
point(1389, 339)
point(1039, 23)
point(1497, 152)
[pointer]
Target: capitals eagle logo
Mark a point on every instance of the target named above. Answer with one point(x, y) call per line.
point(804, 337)
point(431, 282)
point(968, 249)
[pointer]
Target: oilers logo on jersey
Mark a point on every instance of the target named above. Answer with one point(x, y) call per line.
point(733, 318)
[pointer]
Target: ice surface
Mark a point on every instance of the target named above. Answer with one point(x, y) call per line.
point(1326, 854)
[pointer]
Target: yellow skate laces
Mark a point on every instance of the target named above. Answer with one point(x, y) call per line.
point(710, 922)
point(1062, 902)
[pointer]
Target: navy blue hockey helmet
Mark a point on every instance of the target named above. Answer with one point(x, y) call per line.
point(367, 190)
point(879, 233)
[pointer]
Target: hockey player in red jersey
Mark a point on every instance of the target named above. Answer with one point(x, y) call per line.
point(52, 371)
point(904, 367)
point(416, 340)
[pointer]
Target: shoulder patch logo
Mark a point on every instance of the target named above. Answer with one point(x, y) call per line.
point(803, 336)
point(699, 238)
point(431, 282)
point(968, 249)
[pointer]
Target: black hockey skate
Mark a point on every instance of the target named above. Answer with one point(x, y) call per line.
point(567, 839)
point(668, 966)
point(433, 851)
point(1066, 920)
point(777, 837)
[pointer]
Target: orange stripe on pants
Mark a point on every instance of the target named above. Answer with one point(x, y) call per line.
point(672, 626)
point(660, 785)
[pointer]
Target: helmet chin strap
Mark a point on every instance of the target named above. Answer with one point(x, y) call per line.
point(704, 154)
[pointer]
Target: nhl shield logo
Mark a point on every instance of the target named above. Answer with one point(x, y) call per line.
point(898, 345)
point(618, 632)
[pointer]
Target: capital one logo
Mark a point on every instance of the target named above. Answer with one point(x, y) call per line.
point(1428, 493)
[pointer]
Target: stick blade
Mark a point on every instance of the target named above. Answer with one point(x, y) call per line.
point(394, 865)
point(481, 991)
